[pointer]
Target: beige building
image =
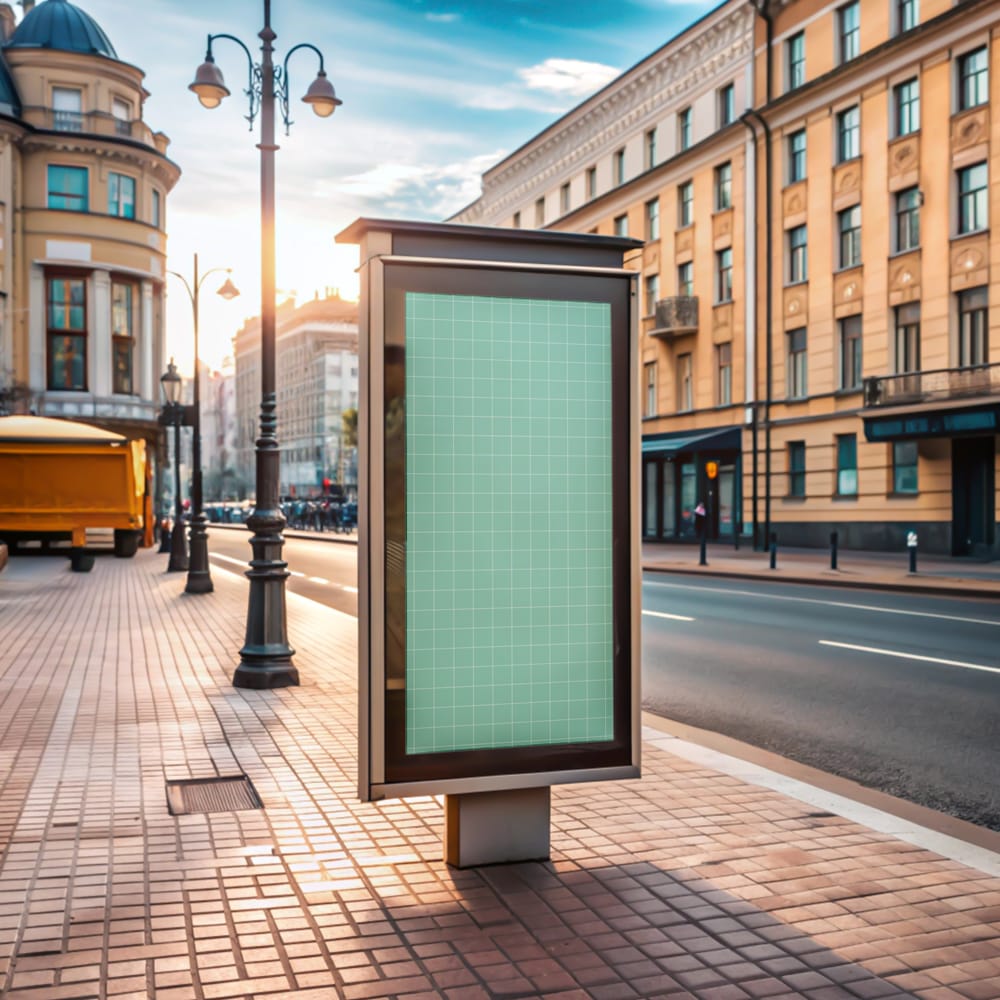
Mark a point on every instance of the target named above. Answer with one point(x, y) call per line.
point(816, 282)
point(316, 348)
point(83, 191)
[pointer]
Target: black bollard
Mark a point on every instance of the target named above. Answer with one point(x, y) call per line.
point(833, 549)
point(164, 537)
point(911, 544)
point(774, 550)
point(702, 558)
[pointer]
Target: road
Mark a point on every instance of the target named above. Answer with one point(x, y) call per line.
point(898, 691)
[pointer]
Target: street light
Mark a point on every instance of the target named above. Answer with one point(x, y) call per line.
point(173, 416)
point(199, 579)
point(266, 657)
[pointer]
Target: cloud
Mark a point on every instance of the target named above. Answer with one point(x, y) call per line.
point(569, 77)
point(441, 18)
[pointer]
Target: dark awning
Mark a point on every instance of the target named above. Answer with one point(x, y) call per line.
point(719, 439)
point(912, 422)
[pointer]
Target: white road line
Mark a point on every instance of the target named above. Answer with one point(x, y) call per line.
point(230, 559)
point(663, 614)
point(910, 656)
point(826, 604)
point(317, 579)
point(293, 572)
point(351, 590)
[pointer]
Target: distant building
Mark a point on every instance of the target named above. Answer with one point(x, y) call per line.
point(816, 186)
point(84, 182)
point(316, 378)
point(222, 479)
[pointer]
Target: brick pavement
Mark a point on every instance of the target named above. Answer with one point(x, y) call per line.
point(687, 883)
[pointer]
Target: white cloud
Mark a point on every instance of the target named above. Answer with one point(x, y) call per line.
point(569, 77)
point(442, 18)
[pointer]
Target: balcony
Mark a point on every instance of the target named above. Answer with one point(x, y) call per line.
point(90, 123)
point(676, 317)
point(939, 386)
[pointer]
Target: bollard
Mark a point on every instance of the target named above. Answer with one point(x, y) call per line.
point(833, 549)
point(774, 550)
point(164, 537)
point(702, 560)
point(911, 545)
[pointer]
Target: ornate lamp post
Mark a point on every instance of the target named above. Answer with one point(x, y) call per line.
point(173, 416)
point(266, 657)
point(199, 579)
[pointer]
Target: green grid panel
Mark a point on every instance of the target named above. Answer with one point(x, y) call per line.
point(508, 523)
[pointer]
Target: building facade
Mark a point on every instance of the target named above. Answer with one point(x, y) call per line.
point(84, 182)
point(222, 480)
point(818, 286)
point(317, 380)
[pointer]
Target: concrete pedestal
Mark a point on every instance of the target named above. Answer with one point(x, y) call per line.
point(489, 828)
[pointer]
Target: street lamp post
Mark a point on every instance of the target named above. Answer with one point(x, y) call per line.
point(266, 657)
point(199, 579)
point(173, 416)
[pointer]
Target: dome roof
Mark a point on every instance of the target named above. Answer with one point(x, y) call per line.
point(58, 24)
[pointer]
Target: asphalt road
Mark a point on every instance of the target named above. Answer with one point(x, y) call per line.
point(898, 691)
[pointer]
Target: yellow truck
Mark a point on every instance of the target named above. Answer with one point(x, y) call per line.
point(60, 477)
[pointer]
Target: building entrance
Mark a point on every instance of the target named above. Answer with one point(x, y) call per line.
point(972, 495)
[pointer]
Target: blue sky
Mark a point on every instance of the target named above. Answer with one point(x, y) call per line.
point(434, 92)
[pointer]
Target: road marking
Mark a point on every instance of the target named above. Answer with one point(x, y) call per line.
point(317, 579)
point(293, 572)
point(351, 590)
point(229, 559)
point(910, 656)
point(826, 604)
point(663, 614)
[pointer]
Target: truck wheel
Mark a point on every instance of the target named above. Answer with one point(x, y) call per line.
point(126, 543)
point(81, 561)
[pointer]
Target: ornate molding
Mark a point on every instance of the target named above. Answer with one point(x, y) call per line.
point(970, 261)
point(904, 163)
point(722, 229)
point(795, 309)
point(847, 184)
point(848, 292)
point(904, 278)
point(793, 204)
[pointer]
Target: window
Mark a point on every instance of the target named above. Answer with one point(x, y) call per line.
point(123, 303)
point(797, 156)
point(540, 213)
point(907, 14)
point(973, 343)
point(121, 196)
point(724, 374)
point(796, 468)
point(651, 148)
point(684, 128)
point(517, 220)
point(685, 279)
point(727, 104)
point(849, 227)
point(906, 106)
point(564, 198)
point(724, 275)
point(685, 383)
point(652, 293)
point(849, 31)
point(848, 134)
point(158, 210)
point(973, 79)
point(798, 262)
point(66, 321)
point(591, 183)
point(907, 338)
point(723, 187)
point(653, 219)
point(650, 370)
point(904, 467)
point(621, 225)
point(67, 109)
point(68, 188)
point(619, 166)
point(972, 209)
point(847, 465)
point(795, 387)
point(907, 220)
point(685, 204)
point(795, 60)
point(850, 352)
point(121, 111)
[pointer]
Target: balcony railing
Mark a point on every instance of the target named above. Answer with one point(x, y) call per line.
point(933, 386)
point(89, 123)
point(676, 316)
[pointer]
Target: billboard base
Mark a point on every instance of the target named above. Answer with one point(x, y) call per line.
point(490, 828)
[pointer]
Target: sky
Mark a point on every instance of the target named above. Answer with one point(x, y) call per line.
point(434, 91)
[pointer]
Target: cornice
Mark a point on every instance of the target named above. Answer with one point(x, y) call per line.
point(141, 157)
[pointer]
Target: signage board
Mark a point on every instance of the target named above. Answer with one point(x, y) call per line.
point(498, 540)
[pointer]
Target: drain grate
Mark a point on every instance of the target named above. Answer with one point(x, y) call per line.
point(212, 795)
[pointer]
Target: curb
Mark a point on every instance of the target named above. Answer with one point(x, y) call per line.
point(315, 536)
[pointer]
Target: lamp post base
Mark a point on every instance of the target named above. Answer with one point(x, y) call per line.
point(178, 550)
point(199, 579)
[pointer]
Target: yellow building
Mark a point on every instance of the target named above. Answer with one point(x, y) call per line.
point(816, 282)
point(83, 191)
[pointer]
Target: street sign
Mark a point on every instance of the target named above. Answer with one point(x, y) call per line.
point(711, 469)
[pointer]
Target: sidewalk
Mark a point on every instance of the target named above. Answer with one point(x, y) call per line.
point(708, 878)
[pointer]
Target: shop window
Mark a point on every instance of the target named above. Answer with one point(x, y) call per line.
point(66, 326)
point(847, 465)
point(124, 298)
point(904, 467)
point(796, 468)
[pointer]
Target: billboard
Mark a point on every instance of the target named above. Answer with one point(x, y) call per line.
point(497, 536)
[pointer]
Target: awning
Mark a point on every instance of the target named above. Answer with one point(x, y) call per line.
point(914, 422)
point(719, 439)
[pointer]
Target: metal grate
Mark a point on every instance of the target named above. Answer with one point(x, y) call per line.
point(212, 795)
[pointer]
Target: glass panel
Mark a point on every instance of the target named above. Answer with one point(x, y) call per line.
point(649, 499)
point(66, 362)
point(689, 499)
point(669, 482)
point(724, 499)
